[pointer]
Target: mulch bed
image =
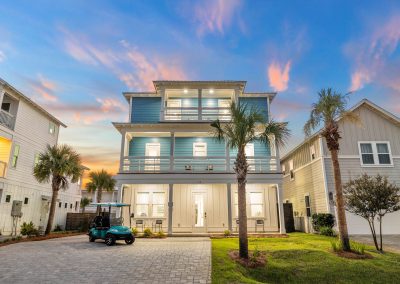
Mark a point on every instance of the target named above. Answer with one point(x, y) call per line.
point(257, 236)
point(353, 255)
point(40, 238)
point(251, 262)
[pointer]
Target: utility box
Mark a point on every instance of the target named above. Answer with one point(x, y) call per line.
point(16, 210)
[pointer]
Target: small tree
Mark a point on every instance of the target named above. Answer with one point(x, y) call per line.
point(100, 180)
point(85, 201)
point(372, 198)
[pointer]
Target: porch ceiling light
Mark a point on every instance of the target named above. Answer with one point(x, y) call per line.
point(211, 91)
point(185, 91)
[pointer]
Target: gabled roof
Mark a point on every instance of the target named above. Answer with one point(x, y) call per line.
point(364, 102)
point(32, 103)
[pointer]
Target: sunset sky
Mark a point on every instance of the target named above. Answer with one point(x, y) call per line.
point(75, 58)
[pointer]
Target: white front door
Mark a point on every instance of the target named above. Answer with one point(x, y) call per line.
point(224, 113)
point(175, 113)
point(152, 157)
point(199, 213)
point(44, 209)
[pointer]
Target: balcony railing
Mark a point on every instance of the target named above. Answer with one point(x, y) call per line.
point(194, 113)
point(216, 164)
point(7, 119)
point(3, 167)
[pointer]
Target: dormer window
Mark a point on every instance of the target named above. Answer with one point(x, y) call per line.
point(6, 107)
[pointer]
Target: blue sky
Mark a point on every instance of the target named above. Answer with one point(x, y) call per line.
point(77, 57)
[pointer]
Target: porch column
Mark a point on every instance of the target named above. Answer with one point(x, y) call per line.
point(199, 106)
point(279, 195)
point(120, 188)
point(122, 154)
point(229, 197)
point(172, 152)
point(170, 207)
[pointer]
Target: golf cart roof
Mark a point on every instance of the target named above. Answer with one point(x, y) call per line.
point(109, 204)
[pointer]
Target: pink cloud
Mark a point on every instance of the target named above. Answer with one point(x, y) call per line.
point(370, 54)
point(216, 16)
point(133, 67)
point(44, 87)
point(278, 76)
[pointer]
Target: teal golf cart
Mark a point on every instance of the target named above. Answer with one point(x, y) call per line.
point(110, 229)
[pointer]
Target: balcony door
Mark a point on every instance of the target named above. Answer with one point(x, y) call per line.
point(152, 161)
point(199, 212)
point(224, 113)
point(249, 151)
point(175, 112)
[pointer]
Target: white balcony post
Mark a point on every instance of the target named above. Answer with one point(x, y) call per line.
point(199, 104)
point(122, 154)
point(172, 152)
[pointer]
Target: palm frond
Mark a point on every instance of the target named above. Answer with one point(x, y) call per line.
point(277, 130)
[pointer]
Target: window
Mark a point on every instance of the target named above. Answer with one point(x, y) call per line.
point(249, 152)
point(59, 204)
point(142, 204)
point(375, 153)
point(6, 107)
point(283, 169)
point(70, 206)
point(308, 206)
point(65, 205)
point(26, 200)
point(158, 204)
point(312, 152)
point(256, 204)
point(15, 156)
point(76, 205)
point(52, 128)
point(199, 149)
point(291, 172)
point(36, 159)
point(8, 198)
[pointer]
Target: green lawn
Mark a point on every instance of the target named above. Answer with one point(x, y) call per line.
point(302, 258)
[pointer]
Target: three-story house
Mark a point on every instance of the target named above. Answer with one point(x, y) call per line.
point(178, 177)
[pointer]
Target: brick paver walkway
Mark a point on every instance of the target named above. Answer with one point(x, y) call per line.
point(75, 260)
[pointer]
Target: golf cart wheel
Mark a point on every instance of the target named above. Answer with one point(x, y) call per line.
point(110, 240)
point(91, 238)
point(130, 240)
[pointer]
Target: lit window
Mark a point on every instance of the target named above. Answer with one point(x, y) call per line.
point(375, 153)
point(291, 170)
point(199, 149)
point(52, 128)
point(142, 204)
point(312, 152)
point(158, 204)
point(256, 204)
point(15, 156)
point(26, 200)
point(308, 206)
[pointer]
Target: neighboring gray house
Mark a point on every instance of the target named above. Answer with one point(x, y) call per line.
point(371, 147)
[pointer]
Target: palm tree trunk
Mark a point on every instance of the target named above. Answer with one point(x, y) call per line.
point(99, 193)
point(241, 172)
point(342, 224)
point(52, 210)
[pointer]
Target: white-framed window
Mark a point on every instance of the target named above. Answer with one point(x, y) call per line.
point(256, 204)
point(284, 169)
point(291, 170)
point(158, 204)
point(142, 204)
point(199, 149)
point(312, 152)
point(150, 204)
point(375, 153)
point(307, 202)
point(52, 128)
point(15, 156)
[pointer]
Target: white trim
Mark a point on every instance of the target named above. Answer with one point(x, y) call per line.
point(324, 173)
point(375, 154)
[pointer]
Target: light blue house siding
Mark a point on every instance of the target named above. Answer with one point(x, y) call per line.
point(146, 110)
point(137, 146)
point(184, 146)
point(260, 150)
point(260, 103)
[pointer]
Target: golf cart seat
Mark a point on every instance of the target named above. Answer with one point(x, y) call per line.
point(102, 222)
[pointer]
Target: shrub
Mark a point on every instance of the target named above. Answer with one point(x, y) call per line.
point(135, 231)
point(327, 231)
point(336, 245)
point(160, 234)
point(29, 229)
point(227, 233)
point(57, 228)
point(357, 247)
point(322, 220)
point(147, 233)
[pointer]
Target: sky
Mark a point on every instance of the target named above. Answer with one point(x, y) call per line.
point(75, 58)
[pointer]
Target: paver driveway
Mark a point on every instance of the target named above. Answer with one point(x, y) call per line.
point(75, 260)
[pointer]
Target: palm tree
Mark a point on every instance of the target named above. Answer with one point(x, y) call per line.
point(99, 181)
point(85, 202)
point(60, 165)
point(331, 107)
point(246, 126)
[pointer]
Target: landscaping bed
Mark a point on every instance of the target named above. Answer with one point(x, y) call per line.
point(53, 235)
point(301, 258)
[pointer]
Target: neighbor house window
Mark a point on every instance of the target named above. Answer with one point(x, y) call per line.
point(8, 198)
point(70, 206)
point(52, 128)
point(65, 205)
point(76, 205)
point(283, 169)
point(375, 153)
point(312, 152)
point(26, 200)
point(142, 204)
point(308, 206)
point(15, 156)
point(158, 204)
point(256, 204)
point(291, 170)
point(59, 204)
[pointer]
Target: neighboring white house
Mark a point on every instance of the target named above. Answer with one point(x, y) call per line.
point(106, 196)
point(25, 130)
point(373, 147)
point(176, 175)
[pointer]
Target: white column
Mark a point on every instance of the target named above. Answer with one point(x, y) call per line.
point(122, 154)
point(229, 197)
point(119, 198)
point(170, 207)
point(279, 194)
point(199, 104)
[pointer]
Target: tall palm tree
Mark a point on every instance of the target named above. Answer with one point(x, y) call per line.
point(247, 125)
point(60, 165)
point(330, 107)
point(99, 181)
point(85, 202)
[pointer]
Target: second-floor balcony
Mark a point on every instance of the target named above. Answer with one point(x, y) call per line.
point(8, 111)
point(196, 114)
point(7, 119)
